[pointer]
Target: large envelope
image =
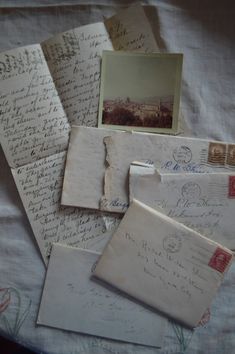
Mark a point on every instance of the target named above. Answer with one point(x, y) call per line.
point(86, 178)
point(204, 202)
point(71, 300)
point(167, 153)
point(164, 264)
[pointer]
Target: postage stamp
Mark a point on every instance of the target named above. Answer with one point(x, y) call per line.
point(217, 153)
point(231, 187)
point(220, 260)
point(230, 160)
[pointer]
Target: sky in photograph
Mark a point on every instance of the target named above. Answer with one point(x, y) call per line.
point(138, 77)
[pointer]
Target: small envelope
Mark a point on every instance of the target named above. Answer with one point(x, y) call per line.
point(73, 301)
point(164, 264)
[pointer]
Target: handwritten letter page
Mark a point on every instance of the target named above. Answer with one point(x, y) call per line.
point(130, 29)
point(200, 201)
point(32, 120)
point(74, 61)
point(72, 301)
point(164, 264)
point(40, 185)
point(167, 153)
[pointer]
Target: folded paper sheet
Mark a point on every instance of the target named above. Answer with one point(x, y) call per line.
point(85, 166)
point(71, 300)
point(44, 88)
point(204, 202)
point(168, 154)
point(164, 264)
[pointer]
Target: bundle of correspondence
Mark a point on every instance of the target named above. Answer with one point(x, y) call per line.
point(101, 169)
point(78, 124)
point(43, 89)
point(164, 264)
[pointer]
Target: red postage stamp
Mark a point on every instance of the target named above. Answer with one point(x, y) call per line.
point(231, 187)
point(220, 260)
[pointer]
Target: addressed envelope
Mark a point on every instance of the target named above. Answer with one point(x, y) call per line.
point(204, 202)
point(88, 184)
point(164, 264)
point(167, 153)
point(72, 301)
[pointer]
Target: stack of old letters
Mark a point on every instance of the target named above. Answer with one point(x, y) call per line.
point(135, 227)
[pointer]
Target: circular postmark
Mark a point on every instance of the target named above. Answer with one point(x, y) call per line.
point(172, 243)
point(191, 191)
point(182, 154)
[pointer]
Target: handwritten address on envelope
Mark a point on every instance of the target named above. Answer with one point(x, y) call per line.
point(165, 264)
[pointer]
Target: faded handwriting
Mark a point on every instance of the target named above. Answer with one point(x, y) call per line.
point(190, 167)
point(114, 203)
point(167, 268)
point(195, 213)
point(32, 120)
point(124, 39)
point(40, 185)
point(74, 61)
point(185, 203)
point(21, 61)
point(203, 215)
point(130, 30)
point(205, 222)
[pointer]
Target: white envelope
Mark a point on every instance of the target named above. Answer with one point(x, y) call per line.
point(88, 184)
point(164, 264)
point(72, 301)
point(204, 202)
point(167, 153)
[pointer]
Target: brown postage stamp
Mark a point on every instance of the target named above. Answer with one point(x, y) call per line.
point(230, 160)
point(217, 153)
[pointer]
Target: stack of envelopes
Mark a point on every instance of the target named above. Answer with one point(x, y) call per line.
point(137, 227)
